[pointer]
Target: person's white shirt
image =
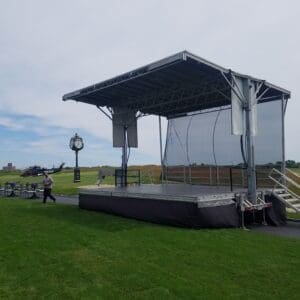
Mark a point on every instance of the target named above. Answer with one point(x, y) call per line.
point(48, 181)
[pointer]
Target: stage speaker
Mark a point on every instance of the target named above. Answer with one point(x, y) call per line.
point(124, 117)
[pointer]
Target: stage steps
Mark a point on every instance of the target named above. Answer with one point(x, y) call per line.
point(284, 193)
point(291, 200)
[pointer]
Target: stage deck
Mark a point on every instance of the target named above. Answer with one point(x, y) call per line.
point(172, 204)
point(202, 195)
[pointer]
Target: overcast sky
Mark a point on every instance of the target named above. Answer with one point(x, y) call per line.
point(49, 48)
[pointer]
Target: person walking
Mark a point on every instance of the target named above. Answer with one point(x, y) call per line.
point(48, 182)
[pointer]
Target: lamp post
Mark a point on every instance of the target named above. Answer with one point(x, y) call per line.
point(76, 144)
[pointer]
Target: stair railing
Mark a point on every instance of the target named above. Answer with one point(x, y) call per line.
point(282, 182)
point(294, 176)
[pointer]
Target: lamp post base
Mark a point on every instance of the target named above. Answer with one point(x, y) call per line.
point(76, 175)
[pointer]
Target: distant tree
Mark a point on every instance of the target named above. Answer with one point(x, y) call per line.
point(291, 164)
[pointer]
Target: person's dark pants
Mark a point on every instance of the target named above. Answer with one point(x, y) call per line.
point(47, 193)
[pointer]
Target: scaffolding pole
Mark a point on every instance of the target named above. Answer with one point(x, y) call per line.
point(124, 159)
point(251, 174)
point(160, 147)
point(283, 134)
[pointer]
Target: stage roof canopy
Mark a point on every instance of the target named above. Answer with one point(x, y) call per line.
point(171, 87)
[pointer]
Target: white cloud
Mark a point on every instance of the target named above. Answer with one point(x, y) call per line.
point(10, 123)
point(49, 48)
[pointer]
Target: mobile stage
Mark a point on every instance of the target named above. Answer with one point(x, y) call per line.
point(224, 129)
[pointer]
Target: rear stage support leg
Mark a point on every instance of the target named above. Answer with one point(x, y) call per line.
point(251, 176)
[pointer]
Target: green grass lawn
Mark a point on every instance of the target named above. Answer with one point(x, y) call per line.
point(297, 171)
point(55, 251)
point(293, 215)
point(63, 181)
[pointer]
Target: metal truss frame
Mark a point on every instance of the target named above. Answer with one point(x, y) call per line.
point(178, 86)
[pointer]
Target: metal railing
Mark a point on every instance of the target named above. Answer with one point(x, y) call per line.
point(16, 189)
point(283, 177)
point(123, 178)
point(285, 182)
point(295, 177)
point(212, 175)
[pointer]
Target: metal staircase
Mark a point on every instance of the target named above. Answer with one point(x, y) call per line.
point(284, 184)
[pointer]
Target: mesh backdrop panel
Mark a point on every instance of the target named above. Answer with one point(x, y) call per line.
point(201, 149)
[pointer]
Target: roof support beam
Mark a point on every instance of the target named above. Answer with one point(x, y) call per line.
point(234, 87)
point(104, 112)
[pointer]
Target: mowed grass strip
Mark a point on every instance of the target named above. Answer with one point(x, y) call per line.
point(63, 181)
point(55, 251)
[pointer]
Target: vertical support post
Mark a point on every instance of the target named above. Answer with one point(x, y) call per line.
point(283, 135)
point(230, 176)
point(76, 169)
point(283, 138)
point(243, 179)
point(251, 176)
point(161, 154)
point(124, 159)
point(76, 159)
point(139, 174)
point(256, 180)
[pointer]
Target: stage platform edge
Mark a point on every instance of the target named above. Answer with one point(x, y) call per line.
point(173, 204)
